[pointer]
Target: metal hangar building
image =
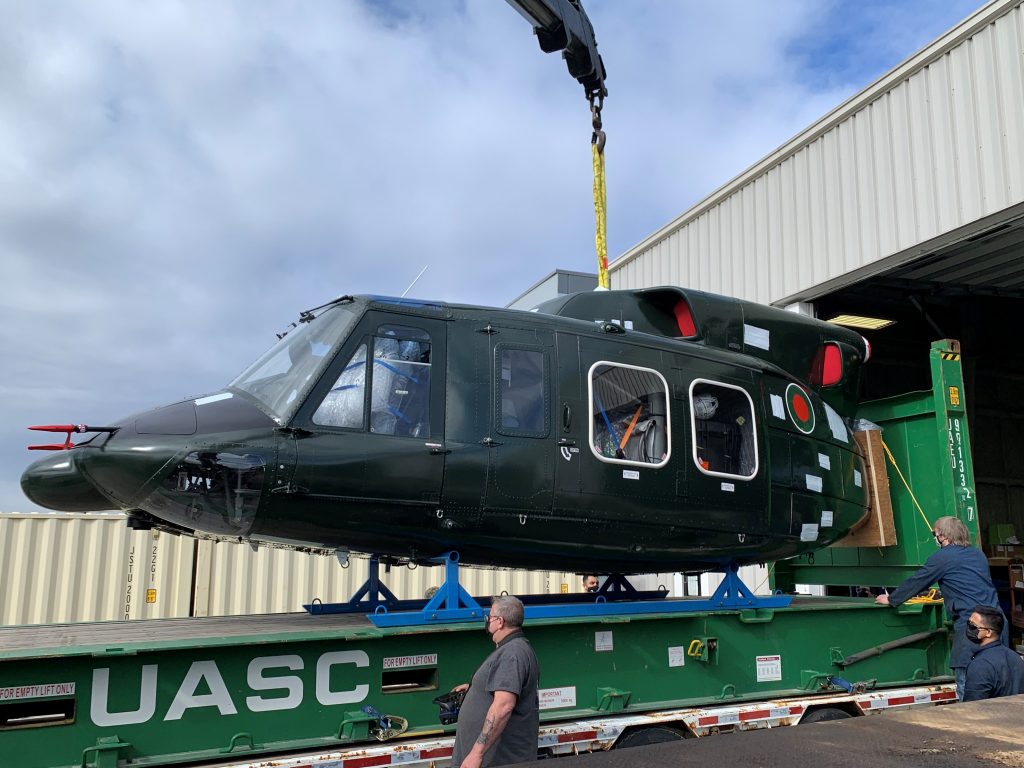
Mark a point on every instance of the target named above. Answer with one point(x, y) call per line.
point(905, 205)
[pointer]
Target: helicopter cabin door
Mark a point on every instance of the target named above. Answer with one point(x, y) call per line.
point(520, 465)
point(370, 439)
point(727, 482)
point(625, 434)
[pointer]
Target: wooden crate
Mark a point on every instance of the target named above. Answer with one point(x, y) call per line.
point(877, 529)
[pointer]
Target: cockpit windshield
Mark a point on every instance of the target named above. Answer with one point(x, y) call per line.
point(285, 372)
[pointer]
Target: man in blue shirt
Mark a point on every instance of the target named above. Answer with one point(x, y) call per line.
point(963, 576)
point(995, 670)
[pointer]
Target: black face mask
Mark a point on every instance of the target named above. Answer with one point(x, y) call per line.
point(972, 633)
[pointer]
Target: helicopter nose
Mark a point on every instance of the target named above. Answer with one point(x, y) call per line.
point(55, 482)
point(187, 463)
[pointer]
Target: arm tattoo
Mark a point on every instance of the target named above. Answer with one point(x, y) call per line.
point(485, 732)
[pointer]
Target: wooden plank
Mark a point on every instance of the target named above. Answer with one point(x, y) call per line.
point(877, 529)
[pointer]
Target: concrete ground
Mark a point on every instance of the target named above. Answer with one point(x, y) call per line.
point(982, 733)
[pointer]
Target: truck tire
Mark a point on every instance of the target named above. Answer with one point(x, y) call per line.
point(654, 734)
point(825, 714)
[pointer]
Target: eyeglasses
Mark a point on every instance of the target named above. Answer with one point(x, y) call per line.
point(489, 619)
point(977, 627)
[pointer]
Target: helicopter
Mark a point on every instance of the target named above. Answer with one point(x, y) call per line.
point(629, 431)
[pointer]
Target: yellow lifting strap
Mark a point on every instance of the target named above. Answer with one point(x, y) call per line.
point(929, 597)
point(932, 595)
point(906, 484)
point(600, 214)
point(597, 141)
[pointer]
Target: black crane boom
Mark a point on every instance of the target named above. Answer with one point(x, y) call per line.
point(562, 25)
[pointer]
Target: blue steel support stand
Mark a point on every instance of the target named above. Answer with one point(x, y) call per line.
point(732, 594)
point(368, 598)
point(451, 603)
point(617, 597)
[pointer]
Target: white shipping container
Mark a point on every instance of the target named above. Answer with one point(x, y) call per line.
point(64, 567)
point(61, 567)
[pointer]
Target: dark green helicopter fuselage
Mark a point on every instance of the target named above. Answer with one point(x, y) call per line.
point(632, 437)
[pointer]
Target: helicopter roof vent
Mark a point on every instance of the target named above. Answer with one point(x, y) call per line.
point(684, 319)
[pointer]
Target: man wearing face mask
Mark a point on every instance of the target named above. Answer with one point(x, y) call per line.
point(962, 574)
point(500, 715)
point(994, 670)
point(590, 582)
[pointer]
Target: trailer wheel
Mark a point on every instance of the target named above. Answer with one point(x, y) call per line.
point(825, 714)
point(654, 734)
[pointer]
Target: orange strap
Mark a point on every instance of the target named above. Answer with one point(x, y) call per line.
point(629, 430)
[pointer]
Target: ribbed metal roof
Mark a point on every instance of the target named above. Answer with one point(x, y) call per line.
point(988, 263)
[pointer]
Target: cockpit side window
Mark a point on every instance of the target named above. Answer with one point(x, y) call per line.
point(400, 395)
point(629, 415)
point(724, 430)
point(399, 386)
point(344, 404)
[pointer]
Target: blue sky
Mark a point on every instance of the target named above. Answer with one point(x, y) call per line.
point(178, 180)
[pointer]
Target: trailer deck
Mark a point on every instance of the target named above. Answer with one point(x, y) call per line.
point(168, 691)
point(117, 637)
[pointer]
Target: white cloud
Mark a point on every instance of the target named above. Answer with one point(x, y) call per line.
point(177, 179)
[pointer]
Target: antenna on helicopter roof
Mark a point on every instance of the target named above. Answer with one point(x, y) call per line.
point(414, 280)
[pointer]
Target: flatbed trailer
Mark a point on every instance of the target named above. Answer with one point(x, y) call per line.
point(298, 689)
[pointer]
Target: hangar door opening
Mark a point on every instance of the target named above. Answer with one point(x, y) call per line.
point(973, 292)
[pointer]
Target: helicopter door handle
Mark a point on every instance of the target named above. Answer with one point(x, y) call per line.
point(566, 441)
point(489, 442)
point(436, 449)
point(566, 416)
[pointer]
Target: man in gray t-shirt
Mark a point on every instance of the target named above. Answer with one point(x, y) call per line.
point(500, 715)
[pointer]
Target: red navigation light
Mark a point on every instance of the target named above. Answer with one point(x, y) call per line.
point(827, 368)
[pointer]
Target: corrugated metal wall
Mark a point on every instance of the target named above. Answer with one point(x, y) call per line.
point(61, 567)
point(933, 146)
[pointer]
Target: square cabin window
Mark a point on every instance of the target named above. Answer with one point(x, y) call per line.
point(629, 418)
point(522, 401)
point(724, 433)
